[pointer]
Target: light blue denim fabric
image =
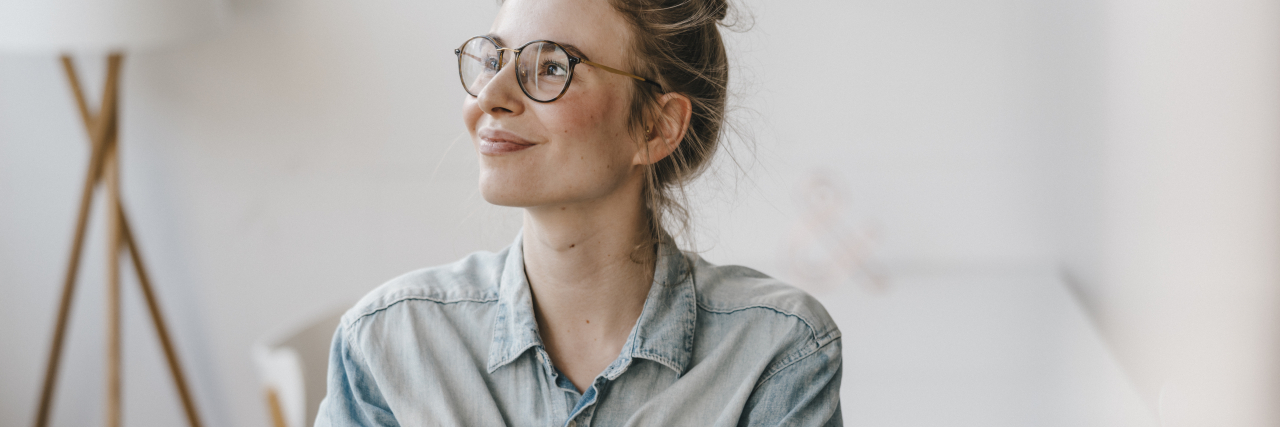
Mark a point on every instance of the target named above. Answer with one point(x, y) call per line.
point(458, 345)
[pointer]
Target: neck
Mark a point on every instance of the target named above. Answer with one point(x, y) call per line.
point(594, 265)
point(589, 267)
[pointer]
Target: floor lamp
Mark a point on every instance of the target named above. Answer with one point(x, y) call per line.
point(43, 26)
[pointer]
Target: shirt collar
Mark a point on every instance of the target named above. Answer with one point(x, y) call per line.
point(663, 333)
point(514, 328)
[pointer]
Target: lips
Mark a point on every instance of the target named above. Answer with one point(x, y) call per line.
point(496, 141)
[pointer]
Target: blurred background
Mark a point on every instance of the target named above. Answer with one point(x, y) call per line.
point(1044, 213)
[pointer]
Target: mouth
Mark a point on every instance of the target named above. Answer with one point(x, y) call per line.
point(494, 142)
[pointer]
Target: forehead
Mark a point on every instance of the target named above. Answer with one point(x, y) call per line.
point(590, 25)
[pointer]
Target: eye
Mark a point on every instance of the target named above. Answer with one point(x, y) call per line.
point(491, 63)
point(553, 69)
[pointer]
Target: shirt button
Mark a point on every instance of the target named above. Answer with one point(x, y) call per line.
point(573, 423)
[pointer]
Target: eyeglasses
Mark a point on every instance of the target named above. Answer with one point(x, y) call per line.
point(543, 71)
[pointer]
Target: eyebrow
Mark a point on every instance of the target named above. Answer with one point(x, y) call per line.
point(571, 48)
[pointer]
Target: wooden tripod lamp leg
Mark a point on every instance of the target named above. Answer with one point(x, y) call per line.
point(127, 241)
point(104, 166)
point(157, 319)
point(99, 130)
point(114, 239)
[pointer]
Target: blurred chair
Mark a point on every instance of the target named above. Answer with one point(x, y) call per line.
point(293, 364)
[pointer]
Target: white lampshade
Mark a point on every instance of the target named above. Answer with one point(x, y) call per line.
point(102, 25)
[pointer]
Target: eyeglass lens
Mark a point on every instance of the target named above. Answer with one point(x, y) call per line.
point(542, 68)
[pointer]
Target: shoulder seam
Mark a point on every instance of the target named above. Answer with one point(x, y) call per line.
point(788, 364)
point(813, 332)
point(372, 311)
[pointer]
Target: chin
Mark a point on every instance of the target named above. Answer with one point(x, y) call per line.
point(506, 192)
point(522, 187)
point(504, 199)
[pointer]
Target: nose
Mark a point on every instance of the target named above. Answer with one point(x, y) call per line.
point(502, 95)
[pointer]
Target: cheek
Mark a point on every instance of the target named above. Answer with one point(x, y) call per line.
point(601, 124)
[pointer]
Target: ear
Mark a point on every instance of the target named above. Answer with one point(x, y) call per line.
point(667, 130)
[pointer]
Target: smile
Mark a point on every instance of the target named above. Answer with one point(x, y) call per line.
point(494, 142)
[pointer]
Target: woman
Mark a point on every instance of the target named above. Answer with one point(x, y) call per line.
point(588, 114)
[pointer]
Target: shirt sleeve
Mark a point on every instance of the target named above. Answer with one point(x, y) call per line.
point(353, 398)
point(805, 393)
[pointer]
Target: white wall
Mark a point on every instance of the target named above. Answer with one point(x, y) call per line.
point(1192, 183)
point(313, 149)
point(961, 133)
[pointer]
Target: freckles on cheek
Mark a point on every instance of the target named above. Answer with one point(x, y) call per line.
point(576, 119)
point(584, 118)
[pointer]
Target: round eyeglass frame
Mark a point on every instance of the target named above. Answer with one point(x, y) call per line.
point(573, 62)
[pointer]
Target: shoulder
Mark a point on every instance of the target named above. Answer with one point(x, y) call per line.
point(733, 289)
point(473, 279)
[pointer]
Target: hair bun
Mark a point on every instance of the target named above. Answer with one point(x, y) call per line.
point(719, 8)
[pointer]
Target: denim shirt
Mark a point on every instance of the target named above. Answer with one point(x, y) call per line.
point(458, 345)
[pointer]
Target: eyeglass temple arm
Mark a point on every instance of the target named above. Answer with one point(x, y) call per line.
point(624, 73)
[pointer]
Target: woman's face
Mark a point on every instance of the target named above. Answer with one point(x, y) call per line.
point(574, 149)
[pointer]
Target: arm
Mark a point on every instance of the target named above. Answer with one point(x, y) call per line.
point(353, 398)
point(804, 393)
